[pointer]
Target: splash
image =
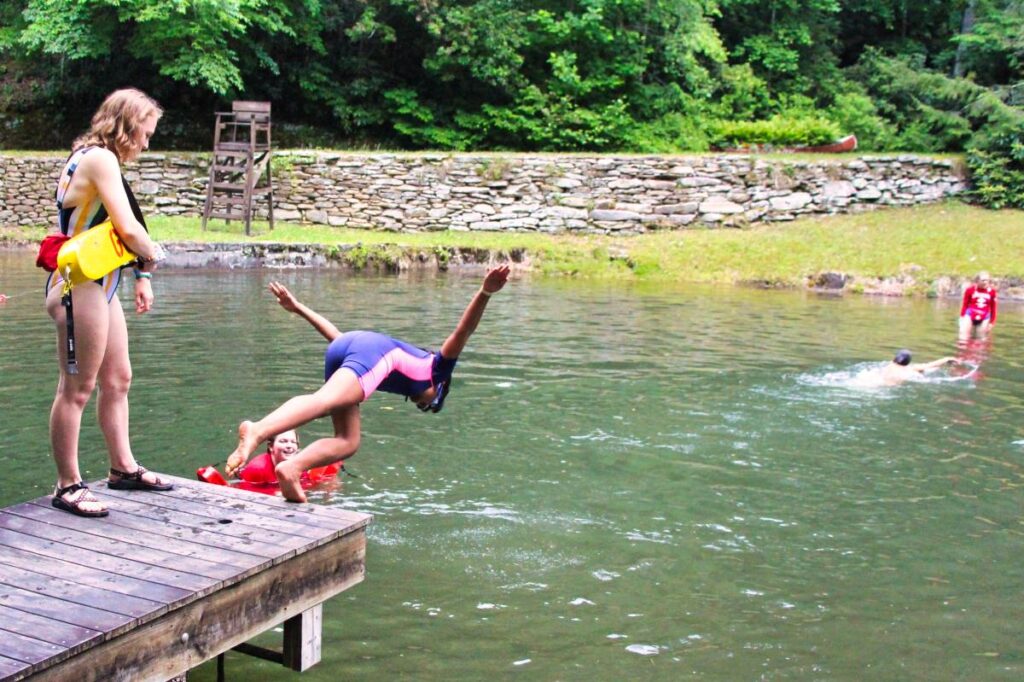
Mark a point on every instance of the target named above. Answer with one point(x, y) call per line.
point(867, 375)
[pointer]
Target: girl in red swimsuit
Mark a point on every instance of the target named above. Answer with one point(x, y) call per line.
point(978, 308)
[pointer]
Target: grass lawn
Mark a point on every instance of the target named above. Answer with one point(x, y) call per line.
point(951, 238)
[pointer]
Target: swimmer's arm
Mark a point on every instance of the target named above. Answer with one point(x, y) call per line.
point(102, 170)
point(926, 367)
point(494, 281)
point(292, 305)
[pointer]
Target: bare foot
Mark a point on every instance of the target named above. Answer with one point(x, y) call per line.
point(247, 442)
point(288, 479)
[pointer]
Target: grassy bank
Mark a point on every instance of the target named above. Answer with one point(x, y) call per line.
point(950, 239)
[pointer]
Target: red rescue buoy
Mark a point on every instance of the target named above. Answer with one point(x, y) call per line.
point(316, 473)
point(210, 475)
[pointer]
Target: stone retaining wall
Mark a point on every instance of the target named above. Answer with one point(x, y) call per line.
point(578, 194)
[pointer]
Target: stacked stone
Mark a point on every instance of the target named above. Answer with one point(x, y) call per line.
point(552, 194)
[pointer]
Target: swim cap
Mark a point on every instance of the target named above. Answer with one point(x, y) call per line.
point(902, 357)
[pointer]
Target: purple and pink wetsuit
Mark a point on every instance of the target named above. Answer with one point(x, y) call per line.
point(382, 362)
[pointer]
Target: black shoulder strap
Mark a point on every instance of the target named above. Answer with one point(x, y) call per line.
point(133, 202)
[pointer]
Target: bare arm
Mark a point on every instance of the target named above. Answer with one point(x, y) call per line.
point(100, 167)
point(292, 305)
point(494, 281)
point(926, 367)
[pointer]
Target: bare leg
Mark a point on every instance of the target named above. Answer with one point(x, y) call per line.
point(74, 390)
point(115, 378)
point(965, 327)
point(341, 390)
point(321, 452)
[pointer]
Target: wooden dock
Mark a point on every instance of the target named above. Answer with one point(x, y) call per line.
point(167, 581)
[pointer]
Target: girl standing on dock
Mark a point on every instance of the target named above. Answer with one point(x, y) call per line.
point(89, 191)
point(356, 364)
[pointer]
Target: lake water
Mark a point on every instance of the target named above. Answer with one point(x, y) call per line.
point(627, 482)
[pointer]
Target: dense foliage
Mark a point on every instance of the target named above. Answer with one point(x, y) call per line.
point(604, 75)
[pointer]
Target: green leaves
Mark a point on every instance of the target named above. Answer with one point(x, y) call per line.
point(195, 41)
point(546, 75)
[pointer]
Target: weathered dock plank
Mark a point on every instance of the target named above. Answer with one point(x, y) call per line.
point(26, 649)
point(57, 554)
point(227, 525)
point(165, 582)
point(9, 666)
point(128, 586)
point(125, 545)
point(45, 629)
point(143, 531)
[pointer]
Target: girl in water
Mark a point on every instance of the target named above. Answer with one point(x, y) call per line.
point(356, 364)
point(978, 308)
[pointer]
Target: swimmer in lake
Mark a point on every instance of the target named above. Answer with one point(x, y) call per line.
point(978, 307)
point(901, 369)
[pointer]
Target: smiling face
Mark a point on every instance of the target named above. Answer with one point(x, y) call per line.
point(283, 446)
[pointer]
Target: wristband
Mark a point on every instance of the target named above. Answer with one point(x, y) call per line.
point(143, 275)
point(485, 292)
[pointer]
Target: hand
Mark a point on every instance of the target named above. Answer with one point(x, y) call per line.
point(143, 296)
point(284, 297)
point(495, 279)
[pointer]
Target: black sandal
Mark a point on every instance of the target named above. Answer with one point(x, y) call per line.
point(134, 481)
point(74, 504)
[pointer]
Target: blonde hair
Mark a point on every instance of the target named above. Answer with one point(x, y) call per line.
point(115, 122)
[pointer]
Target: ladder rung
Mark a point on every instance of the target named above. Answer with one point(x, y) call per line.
point(223, 146)
point(227, 200)
point(229, 186)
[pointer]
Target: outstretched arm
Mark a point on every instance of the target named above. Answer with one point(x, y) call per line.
point(926, 367)
point(494, 280)
point(292, 305)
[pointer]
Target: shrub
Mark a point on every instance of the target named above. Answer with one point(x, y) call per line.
point(997, 171)
point(669, 134)
point(777, 131)
point(856, 113)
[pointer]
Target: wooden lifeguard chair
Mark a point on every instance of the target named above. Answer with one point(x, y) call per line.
point(240, 168)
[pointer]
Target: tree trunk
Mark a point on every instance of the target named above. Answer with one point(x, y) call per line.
point(966, 26)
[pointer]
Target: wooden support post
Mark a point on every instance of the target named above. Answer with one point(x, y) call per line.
point(302, 636)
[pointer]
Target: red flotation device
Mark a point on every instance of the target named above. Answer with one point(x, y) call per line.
point(317, 473)
point(209, 474)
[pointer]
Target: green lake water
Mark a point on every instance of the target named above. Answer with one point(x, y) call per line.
point(626, 483)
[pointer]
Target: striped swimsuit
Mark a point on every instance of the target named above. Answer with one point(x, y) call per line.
point(385, 363)
point(76, 220)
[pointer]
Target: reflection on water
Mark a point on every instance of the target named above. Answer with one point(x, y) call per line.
point(626, 482)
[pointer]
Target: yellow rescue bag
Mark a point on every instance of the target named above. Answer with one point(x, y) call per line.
point(92, 254)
